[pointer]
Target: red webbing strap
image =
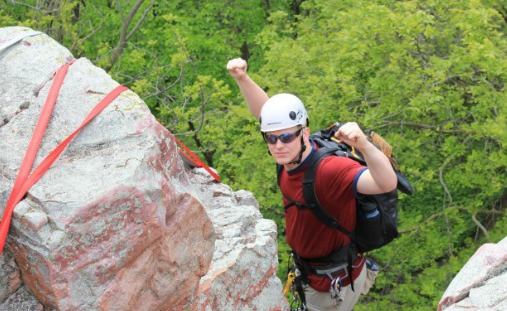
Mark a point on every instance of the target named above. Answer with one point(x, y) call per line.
point(51, 158)
point(31, 152)
point(24, 182)
point(40, 127)
point(195, 159)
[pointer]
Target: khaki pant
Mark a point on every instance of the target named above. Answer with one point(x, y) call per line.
point(322, 301)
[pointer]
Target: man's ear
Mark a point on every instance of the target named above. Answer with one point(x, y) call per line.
point(306, 132)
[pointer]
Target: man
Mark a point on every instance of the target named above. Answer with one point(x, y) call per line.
point(284, 125)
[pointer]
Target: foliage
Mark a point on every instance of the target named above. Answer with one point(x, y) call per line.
point(429, 76)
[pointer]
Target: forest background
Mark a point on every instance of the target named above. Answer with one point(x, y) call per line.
point(428, 75)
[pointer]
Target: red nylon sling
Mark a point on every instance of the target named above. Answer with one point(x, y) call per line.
point(24, 181)
point(186, 152)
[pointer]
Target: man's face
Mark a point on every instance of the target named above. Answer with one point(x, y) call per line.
point(284, 145)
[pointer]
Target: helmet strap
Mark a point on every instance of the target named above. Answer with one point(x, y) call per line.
point(300, 157)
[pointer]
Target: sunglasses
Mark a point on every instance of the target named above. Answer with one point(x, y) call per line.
point(284, 138)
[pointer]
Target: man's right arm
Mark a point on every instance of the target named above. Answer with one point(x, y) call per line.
point(254, 95)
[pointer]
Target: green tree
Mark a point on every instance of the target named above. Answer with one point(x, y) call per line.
point(172, 53)
point(429, 76)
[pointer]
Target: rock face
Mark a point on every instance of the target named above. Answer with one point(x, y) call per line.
point(118, 222)
point(242, 275)
point(480, 285)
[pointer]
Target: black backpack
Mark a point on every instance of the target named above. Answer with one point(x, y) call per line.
point(377, 215)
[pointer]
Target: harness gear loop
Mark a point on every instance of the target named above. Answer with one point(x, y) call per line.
point(24, 181)
point(335, 289)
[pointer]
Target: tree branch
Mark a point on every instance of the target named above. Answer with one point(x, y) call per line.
point(491, 212)
point(125, 35)
point(448, 193)
point(479, 225)
point(423, 126)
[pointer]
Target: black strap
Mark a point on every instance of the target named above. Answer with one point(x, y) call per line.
point(309, 191)
point(295, 203)
point(309, 188)
point(346, 254)
point(349, 267)
point(301, 293)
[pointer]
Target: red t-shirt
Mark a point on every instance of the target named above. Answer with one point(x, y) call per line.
point(335, 182)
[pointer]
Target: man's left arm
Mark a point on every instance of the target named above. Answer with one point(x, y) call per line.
point(380, 176)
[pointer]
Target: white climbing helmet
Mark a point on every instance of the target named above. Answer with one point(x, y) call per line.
point(282, 111)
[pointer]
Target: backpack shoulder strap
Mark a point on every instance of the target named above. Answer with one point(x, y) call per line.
point(279, 169)
point(309, 192)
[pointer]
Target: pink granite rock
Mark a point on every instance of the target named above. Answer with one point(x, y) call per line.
point(111, 225)
point(480, 285)
point(118, 222)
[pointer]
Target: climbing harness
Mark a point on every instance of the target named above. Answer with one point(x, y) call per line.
point(24, 180)
point(337, 267)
